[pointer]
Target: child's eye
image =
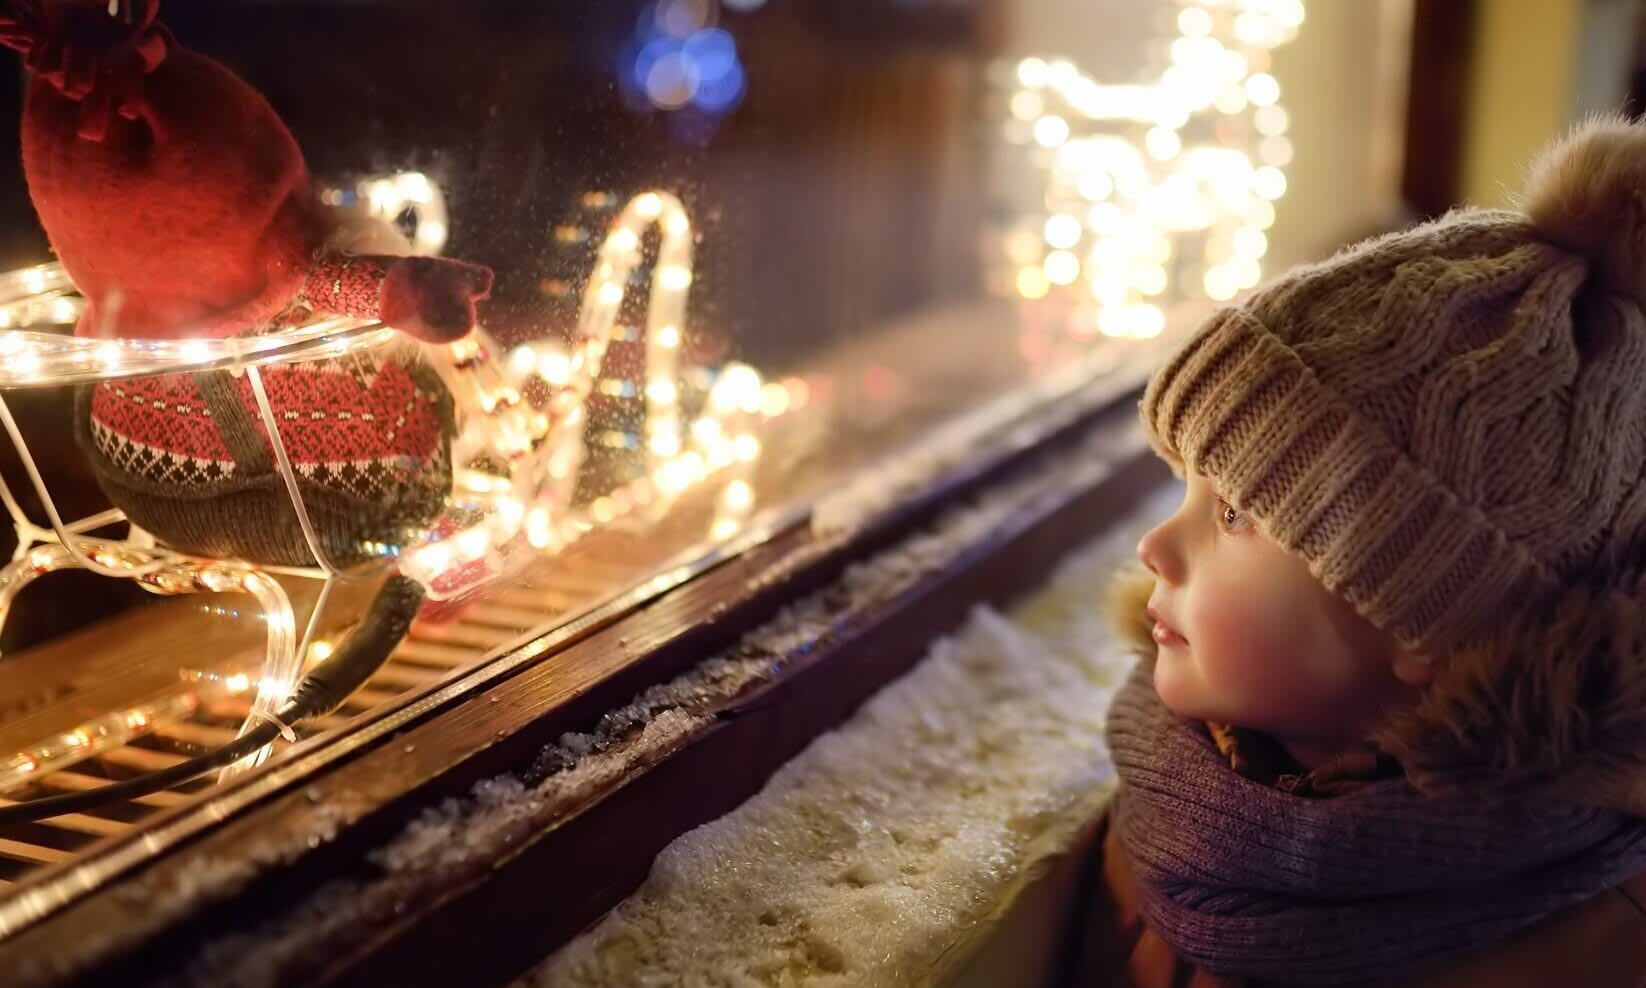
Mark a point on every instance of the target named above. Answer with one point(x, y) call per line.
point(1231, 518)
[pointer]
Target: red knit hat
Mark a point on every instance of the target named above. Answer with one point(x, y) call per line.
point(180, 205)
point(176, 198)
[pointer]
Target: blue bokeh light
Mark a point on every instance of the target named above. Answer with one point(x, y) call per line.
point(668, 72)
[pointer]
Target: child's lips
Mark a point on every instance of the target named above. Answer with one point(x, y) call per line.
point(1166, 636)
point(1163, 633)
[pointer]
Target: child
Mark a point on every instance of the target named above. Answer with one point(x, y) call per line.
point(1390, 727)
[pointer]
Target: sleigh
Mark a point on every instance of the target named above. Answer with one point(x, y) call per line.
point(519, 451)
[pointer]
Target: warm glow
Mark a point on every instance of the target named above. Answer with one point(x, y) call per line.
point(1062, 267)
point(516, 457)
point(1159, 189)
point(739, 496)
point(1032, 283)
point(649, 206)
point(1063, 231)
point(1051, 131)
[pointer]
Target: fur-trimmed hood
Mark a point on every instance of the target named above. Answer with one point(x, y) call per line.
point(1551, 702)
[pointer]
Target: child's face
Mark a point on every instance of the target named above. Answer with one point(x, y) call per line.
point(1245, 635)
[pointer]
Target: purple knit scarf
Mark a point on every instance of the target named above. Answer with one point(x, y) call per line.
point(1249, 881)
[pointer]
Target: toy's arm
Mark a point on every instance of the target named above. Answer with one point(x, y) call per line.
point(431, 298)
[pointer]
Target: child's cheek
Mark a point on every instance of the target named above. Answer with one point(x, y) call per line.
point(1241, 643)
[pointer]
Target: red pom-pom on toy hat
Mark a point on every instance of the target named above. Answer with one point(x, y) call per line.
point(172, 193)
point(176, 198)
point(180, 205)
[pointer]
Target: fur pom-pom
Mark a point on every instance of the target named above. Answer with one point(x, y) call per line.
point(1552, 702)
point(1128, 601)
point(1587, 194)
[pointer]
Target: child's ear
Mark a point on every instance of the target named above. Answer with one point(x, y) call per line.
point(1413, 669)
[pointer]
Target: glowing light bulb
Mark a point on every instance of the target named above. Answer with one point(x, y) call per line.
point(473, 543)
point(1271, 121)
point(1109, 288)
point(523, 360)
point(1230, 99)
point(649, 206)
point(1063, 231)
point(1275, 151)
point(1033, 72)
point(1062, 267)
point(510, 512)
point(554, 367)
point(1095, 185)
point(1162, 143)
point(414, 187)
point(1220, 284)
point(774, 399)
point(1262, 89)
point(738, 387)
point(539, 532)
point(1250, 242)
point(436, 558)
point(662, 390)
point(706, 431)
point(664, 443)
point(1027, 105)
point(623, 241)
point(1269, 182)
point(1194, 21)
point(1151, 280)
point(26, 363)
point(1032, 282)
point(1051, 131)
point(1252, 28)
point(738, 497)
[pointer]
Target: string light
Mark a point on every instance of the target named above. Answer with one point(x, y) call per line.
point(1151, 191)
point(517, 460)
point(536, 500)
point(391, 198)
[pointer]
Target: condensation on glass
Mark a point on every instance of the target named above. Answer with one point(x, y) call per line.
point(748, 252)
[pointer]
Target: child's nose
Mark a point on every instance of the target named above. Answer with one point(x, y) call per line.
point(1157, 552)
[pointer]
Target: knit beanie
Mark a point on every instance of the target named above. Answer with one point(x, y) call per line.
point(1448, 424)
point(180, 205)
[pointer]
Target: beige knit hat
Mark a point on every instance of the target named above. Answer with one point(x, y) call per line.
point(1449, 425)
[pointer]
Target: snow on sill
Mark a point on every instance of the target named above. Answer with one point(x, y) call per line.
point(1048, 673)
point(870, 855)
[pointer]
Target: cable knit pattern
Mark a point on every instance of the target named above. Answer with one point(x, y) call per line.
point(1447, 423)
